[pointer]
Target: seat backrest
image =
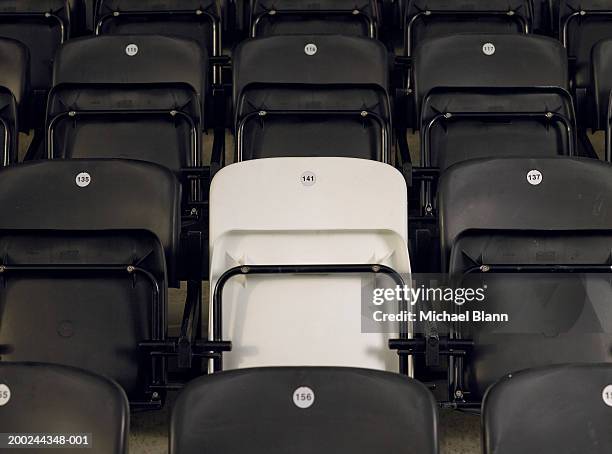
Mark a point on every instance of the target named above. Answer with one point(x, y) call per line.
point(157, 78)
point(89, 409)
point(601, 87)
point(465, 123)
point(327, 95)
point(574, 402)
point(339, 17)
point(148, 122)
point(131, 59)
point(305, 211)
point(198, 20)
point(92, 196)
point(304, 410)
point(426, 19)
point(473, 60)
point(554, 194)
point(309, 60)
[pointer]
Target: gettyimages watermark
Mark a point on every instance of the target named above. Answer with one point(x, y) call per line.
point(501, 303)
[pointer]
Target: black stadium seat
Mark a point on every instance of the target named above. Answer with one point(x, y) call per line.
point(14, 83)
point(291, 17)
point(536, 234)
point(42, 26)
point(198, 20)
point(509, 100)
point(583, 23)
point(320, 95)
point(136, 97)
point(554, 410)
point(304, 410)
point(90, 411)
point(425, 19)
point(88, 250)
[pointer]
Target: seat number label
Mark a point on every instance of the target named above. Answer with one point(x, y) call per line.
point(308, 178)
point(83, 179)
point(5, 394)
point(607, 395)
point(303, 397)
point(534, 177)
point(310, 49)
point(488, 48)
point(131, 50)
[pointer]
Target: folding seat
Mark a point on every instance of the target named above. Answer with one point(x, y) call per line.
point(535, 234)
point(137, 97)
point(425, 19)
point(338, 17)
point(89, 411)
point(492, 95)
point(553, 410)
point(304, 410)
point(296, 245)
point(198, 20)
point(323, 95)
point(89, 248)
point(14, 80)
point(583, 23)
point(42, 26)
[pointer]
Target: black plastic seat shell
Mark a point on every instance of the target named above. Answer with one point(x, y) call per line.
point(80, 402)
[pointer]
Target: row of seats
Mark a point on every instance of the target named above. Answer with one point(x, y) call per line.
point(521, 89)
point(315, 409)
point(89, 244)
point(413, 20)
point(43, 26)
point(269, 97)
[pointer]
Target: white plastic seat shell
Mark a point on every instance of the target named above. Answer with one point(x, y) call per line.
point(305, 211)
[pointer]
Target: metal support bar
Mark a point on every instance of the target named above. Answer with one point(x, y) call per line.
point(540, 268)
point(369, 21)
point(199, 14)
point(244, 270)
point(74, 114)
point(512, 15)
point(41, 15)
point(575, 15)
point(363, 114)
point(6, 158)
